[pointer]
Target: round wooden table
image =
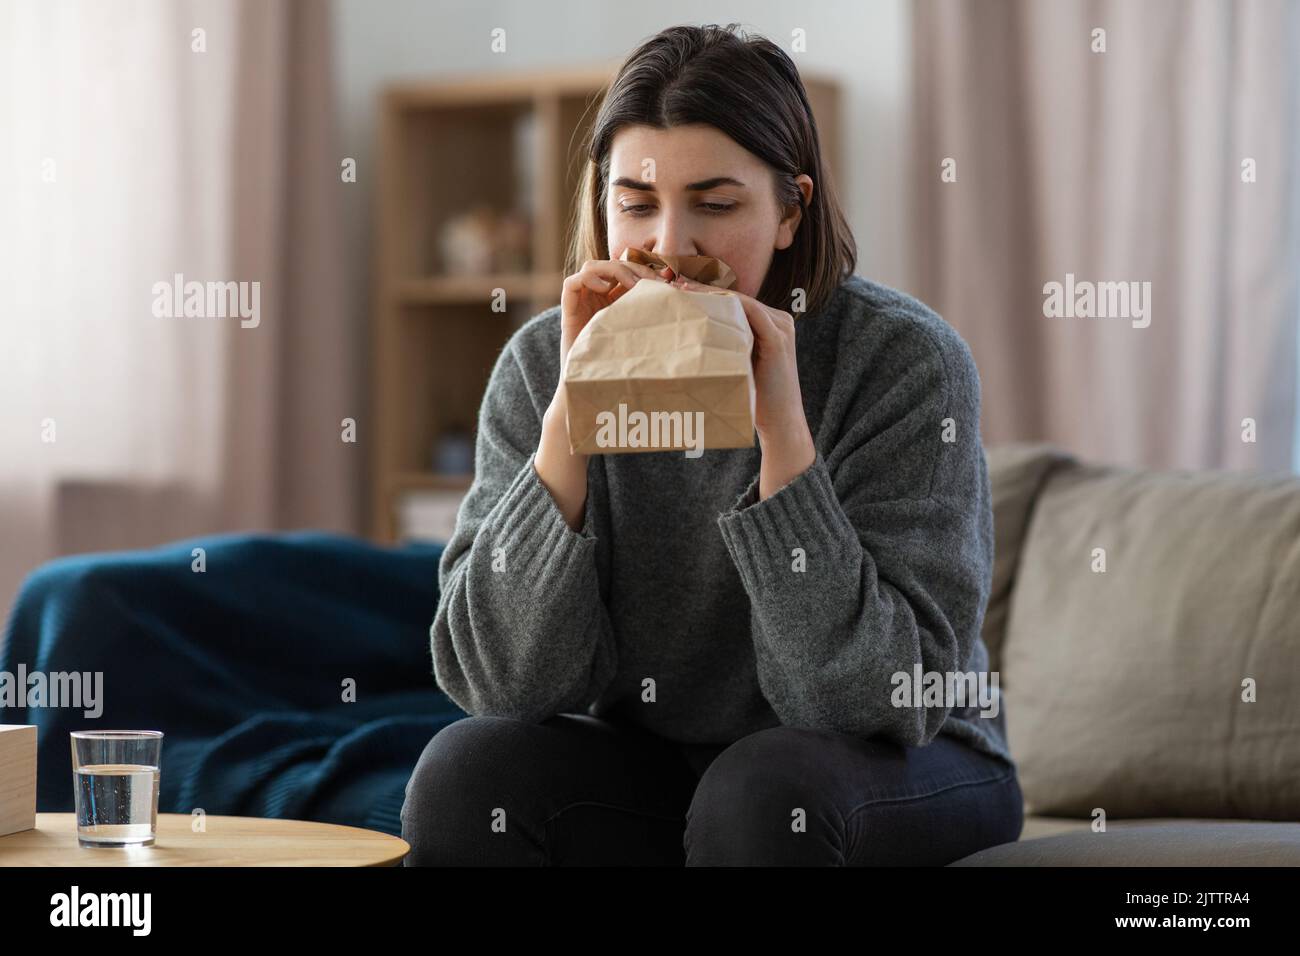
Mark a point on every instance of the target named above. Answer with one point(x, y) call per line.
point(225, 841)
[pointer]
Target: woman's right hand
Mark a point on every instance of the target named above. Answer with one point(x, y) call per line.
point(600, 282)
point(597, 284)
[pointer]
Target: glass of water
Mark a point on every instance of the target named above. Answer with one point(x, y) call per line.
point(116, 776)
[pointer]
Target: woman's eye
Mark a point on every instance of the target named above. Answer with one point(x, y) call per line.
point(712, 207)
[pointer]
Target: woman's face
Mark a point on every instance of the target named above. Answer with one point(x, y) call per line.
point(694, 191)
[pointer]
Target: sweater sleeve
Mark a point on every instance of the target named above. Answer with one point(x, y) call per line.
point(894, 567)
point(521, 630)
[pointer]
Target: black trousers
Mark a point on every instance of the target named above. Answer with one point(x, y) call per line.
point(577, 790)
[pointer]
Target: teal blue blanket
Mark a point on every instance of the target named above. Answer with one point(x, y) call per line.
point(290, 673)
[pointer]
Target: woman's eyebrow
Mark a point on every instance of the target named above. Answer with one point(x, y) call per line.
point(691, 187)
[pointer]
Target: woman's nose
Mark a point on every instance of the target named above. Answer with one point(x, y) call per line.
point(675, 249)
point(672, 240)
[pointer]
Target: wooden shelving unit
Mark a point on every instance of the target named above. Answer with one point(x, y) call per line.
point(510, 141)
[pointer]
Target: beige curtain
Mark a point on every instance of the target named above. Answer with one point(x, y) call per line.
point(1118, 166)
point(137, 149)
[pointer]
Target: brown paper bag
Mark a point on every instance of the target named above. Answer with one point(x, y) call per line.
point(664, 368)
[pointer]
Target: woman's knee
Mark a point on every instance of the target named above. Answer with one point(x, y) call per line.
point(782, 796)
point(456, 811)
point(759, 802)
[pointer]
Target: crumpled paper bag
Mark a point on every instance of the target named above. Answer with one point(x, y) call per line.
point(664, 368)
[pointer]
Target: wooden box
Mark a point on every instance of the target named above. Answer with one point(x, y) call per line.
point(17, 778)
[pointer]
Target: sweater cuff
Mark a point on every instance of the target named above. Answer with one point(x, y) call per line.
point(530, 518)
point(805, 513)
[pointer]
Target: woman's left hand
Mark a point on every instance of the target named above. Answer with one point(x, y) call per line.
point(778, 405)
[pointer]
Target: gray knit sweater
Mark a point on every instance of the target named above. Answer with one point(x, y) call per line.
point(702, 614)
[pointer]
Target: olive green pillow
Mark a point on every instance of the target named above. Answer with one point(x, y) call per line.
point(1127, 688)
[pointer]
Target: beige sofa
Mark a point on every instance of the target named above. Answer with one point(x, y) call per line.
point(1145, 627)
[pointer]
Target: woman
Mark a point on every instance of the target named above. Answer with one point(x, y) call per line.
point(699, 660)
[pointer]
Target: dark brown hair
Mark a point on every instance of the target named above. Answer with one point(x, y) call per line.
point(748, 88)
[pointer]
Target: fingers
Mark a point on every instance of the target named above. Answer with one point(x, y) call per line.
point(760, 321)
point(648, 272)
point(608, 279)
point(603, 275)
point(766, 323)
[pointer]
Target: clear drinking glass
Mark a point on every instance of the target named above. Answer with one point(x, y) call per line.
point(115, 780)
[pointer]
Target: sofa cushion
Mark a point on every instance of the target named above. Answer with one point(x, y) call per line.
point(1035, 826)
point(1124, 686)
point(1154, 843)
point(1016, 473)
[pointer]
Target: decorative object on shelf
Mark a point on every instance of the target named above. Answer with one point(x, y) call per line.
point(482, 240)
point(466, 242)
point(453, 451)
point(513, 239)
